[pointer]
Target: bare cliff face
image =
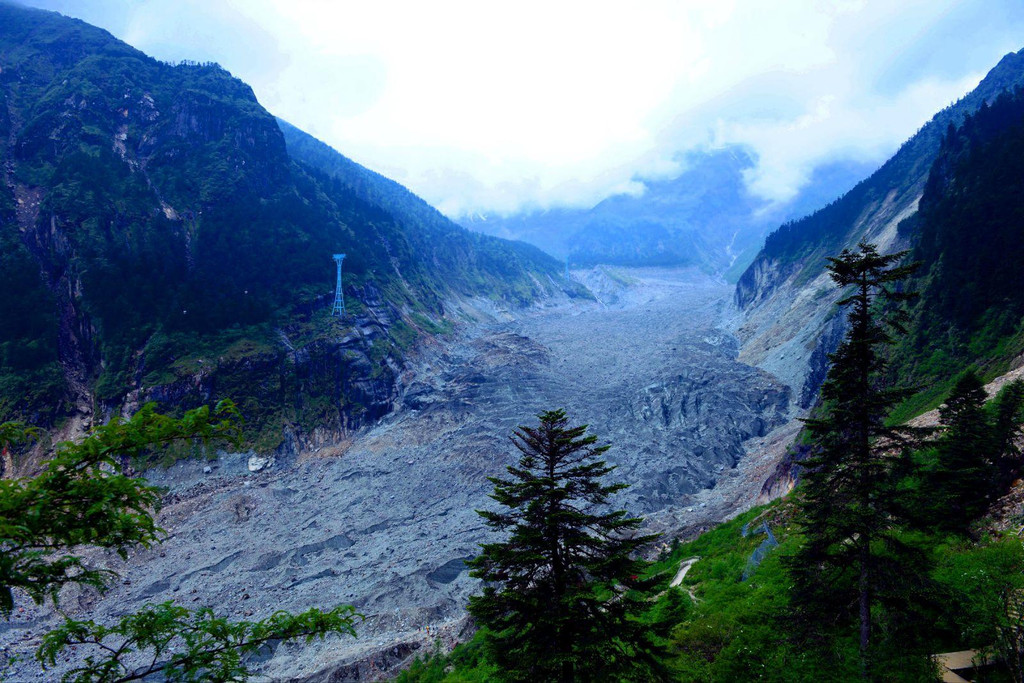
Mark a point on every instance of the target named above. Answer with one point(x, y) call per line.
point(788, 322)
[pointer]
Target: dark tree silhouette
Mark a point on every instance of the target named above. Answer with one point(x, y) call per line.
point(561, 599)
point(852, 560)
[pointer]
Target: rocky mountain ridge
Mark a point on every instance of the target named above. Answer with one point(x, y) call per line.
point(162, 241)
point(786, 318)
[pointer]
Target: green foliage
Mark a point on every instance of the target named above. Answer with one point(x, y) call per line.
point(81, 499)
point(927, 398)
point(441, 327)
point(16, 433)
point(954, 592)
point(971, 309)
point(733, 624)
point(403, 334)
point(467, 663)
point(31, 384)
point(804, 244)
point(977, 578)
point(742, 630)
point(736, 630)
point(962, 481)
point(969, 220)
point(1007, 410)
point(563, 598)
point(169, 641)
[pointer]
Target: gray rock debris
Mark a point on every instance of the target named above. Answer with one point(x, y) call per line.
point(385, 521)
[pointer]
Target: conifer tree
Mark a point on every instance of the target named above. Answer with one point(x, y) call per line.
point(977, 457)
point(852, 562)
point(1008, 420)
point(963, 478)
point(559, 602)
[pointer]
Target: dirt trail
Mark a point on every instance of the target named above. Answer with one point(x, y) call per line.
point(684, 569)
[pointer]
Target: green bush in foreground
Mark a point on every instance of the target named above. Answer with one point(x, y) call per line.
point(83, 499)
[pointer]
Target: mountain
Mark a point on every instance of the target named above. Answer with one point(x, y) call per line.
point(162, 241)
point(786, 300)
point(954, 198)
point(967, 235)
point(468, 261)
point(704, 217)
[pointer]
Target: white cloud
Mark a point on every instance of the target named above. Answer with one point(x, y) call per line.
point(480, 106)
point(841, 124)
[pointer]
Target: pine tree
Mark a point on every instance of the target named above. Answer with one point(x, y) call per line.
point(560, 602)
point(964, 475)
point(1008, 419)
point(852, 560)
point(977, 457)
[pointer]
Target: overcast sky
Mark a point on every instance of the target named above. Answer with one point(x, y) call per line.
point(498, 106)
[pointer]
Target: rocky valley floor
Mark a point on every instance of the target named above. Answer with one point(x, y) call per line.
point(385, 520)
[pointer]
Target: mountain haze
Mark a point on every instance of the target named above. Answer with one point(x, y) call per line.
point(706, 217)
point(467, 261)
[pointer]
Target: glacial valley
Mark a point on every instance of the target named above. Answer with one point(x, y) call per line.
point(384, 520)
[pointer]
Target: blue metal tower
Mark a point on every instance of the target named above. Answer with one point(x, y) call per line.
point(339, 297)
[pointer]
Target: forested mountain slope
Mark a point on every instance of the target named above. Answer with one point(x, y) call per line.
point(160, 243)
point(468, 261)
point(787, 323)
point(783, 592)
point(968, 236)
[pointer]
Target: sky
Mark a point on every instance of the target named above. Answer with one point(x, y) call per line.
point(494, 107)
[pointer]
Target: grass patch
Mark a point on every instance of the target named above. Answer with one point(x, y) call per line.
point(923, 401)
point(619, 277)
point(441, 327)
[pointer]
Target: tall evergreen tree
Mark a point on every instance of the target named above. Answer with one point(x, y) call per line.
point(852, 561)
point(1008, 420)
point(977, 458)
point(963, 478)
point(560, 602)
